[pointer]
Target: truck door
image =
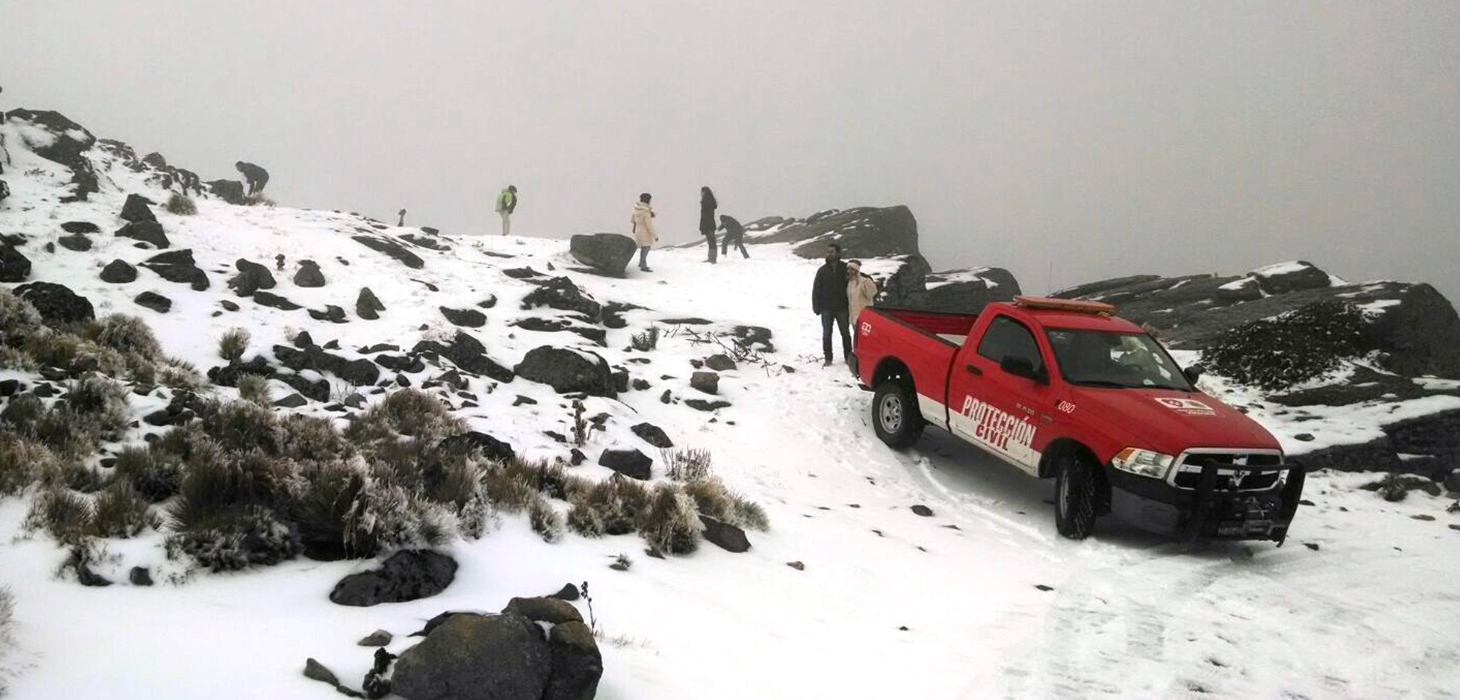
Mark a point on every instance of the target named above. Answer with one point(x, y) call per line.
point(994, 408)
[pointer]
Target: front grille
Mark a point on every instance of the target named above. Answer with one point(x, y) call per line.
point(1244, 472)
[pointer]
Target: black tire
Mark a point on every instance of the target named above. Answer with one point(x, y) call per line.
point(1076, 496)
point(895, 414)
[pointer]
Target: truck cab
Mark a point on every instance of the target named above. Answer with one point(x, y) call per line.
point(1068, 390)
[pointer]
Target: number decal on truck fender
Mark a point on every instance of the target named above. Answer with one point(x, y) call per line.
point(866, 328)
point(1066, 407)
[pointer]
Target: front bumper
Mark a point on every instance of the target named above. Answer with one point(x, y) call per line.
point(1207, 511)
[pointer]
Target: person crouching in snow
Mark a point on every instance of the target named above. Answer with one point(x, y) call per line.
point(644, 234)
point(861, 290)
point(734, 235)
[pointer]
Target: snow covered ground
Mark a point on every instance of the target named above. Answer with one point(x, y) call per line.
point(981, 600)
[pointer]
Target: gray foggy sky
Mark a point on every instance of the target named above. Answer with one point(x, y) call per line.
point(1078, 140)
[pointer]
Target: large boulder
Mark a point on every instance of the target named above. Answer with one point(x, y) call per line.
point(145, 231)
point(652, 434)
point(863, 232)
point(407, 575)
point(560, 293)
point(309, 275)
point(118, 272)
point(1291, 277)
point(899, 278)
point(608, 253)
point(14, 266)
point(468, 353)
point(367, 305)
point(568, 371)
point(75, 242)
point(251, 277)
point(477, 657)
point(178, 266)
point(66, 144)
point(138, 208)
point(467, 318)
point(965, 291)
point(230, 191)
point(56, 303)
point(631, 463)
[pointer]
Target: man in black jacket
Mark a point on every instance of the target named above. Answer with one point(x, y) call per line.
point(829, 301)
point(734, 235)
point(254, 176)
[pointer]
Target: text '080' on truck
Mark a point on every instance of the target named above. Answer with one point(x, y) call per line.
point(1066, 390)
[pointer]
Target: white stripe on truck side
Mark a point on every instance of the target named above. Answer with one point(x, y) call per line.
point(933, 411)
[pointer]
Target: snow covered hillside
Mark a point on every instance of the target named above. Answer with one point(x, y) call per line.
point(931, 573)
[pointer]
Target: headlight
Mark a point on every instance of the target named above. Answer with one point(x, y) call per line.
point(1143, 462)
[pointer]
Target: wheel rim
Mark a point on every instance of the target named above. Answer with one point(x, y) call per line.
point(890, 413)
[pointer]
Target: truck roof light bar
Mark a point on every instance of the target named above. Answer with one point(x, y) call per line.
point(1074, 305)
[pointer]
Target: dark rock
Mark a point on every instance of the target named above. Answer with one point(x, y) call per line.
point(725, 536)
point(576, 457)
point(707, 382)
point(702, 405)
point(56, 303)
point(80, 227)
point(154, 301)
point(230, 191)
point(140, 576)
point(118, 272)
point(393, 249)
point(753, 338)
point(577, 665)
point(666, 397)
point(251, 277)
point(14, 266)
point(608, 253)
point(472, 442)
point(309, 275)
point(178, 266)
point(964, 291)
point(291, 401)
point(145, 231)
point(378, 638)
point(77, 243)
point(640, 384)
point(631, 463)
point(720, 363)
point(1291, 277)
point(523, 400)
point(8, 387)
point(560, 293)
point(686, 321)
point(315, 671)
point(367, 305)
point(550, 610)
point(468, 318)
point(137, 209)
point(521, 273)
point(568, 371)
point(652, 434)
point(864, 232)
point(274, 301)
point(923, 510)
point(407, 575)
point(569, 592)
point(331, 313)
point(1395, 487)
point(476, 657)
point(469, 354)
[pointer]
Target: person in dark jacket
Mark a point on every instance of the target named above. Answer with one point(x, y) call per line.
point(829, 301)
point(734, 235)
point(254, 176)
point(707, 219)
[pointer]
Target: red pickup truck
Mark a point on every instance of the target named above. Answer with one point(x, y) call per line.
point(1066, 390)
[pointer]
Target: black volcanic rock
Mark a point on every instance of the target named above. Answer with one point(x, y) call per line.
point(137, 209)
point(154, 301)
point(146, 231)
point(393, 249)
point(608, 253)
point(178, 266)
point(118, 272)
point(568, 371)
point(56, 303)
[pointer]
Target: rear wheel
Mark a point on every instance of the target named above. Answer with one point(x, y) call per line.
point(895, 414)
point(1075, 496)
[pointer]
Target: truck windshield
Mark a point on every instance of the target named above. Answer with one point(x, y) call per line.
point(1118, 360)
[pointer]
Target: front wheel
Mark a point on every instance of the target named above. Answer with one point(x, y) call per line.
point(895, 414)
point(1075, 497)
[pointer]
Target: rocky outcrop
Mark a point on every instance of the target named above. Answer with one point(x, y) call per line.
point(468, 353)
point(56, 303)
point(392, 249)
point(230, 191)
point(560, 293)
point(66, 145)
point(863, 232)
point(178, 266)
point(1412, 328)
point(137, 208)
point(407, 575)
point(965, 291)
point(568, 371)
point(608, 253)
point(149, 232)
point(14, 266)
point(367, 305)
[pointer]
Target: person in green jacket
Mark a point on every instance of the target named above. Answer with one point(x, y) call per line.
point(506, 204)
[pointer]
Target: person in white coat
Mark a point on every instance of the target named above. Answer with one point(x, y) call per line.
point(644, 233)
point(861, 290)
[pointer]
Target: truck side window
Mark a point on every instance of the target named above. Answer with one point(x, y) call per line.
point(1006, 337)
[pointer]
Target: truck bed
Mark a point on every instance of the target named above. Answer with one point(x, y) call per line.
point(925, 341)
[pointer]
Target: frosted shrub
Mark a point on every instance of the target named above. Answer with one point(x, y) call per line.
point(128, 334)
point(181, 204)
point(21, 463)
point(255, 390)
point(687, 464)
point(545, 521)
point(611, 507)
point(233, 343)
point(18, 318)
point(62, 513)
point(712, 498)
point(239, 426)
point(311, 438)
point(238, 539)
point(670, 523)
point(408, 412)
point(120, 512)
point(155, 476)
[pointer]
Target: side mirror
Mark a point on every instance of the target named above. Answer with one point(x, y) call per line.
point(1192, 373)
point(1022, 367)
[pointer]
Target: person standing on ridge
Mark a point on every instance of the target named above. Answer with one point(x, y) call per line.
point(707, 219)
point(254, 176)
point(829, 301)
point(644, 233)
point(734, 235)
point(861, 290)
point(506, 204)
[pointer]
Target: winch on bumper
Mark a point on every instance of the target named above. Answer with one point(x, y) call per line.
point(1208, 497)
